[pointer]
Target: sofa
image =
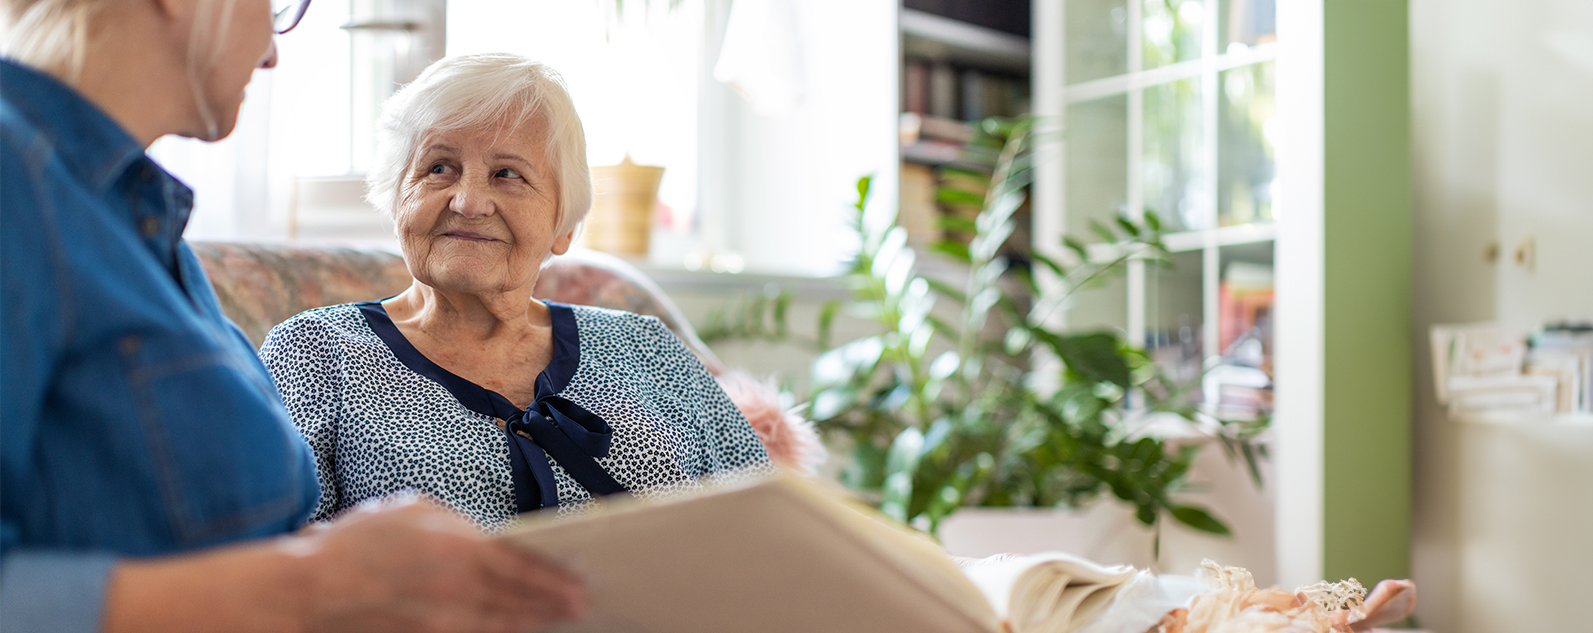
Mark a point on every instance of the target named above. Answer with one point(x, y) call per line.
point(261, 285)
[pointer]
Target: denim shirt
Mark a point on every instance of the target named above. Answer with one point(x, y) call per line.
point(135, 419)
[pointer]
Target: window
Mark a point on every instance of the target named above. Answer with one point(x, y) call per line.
point(745, 188)
point(1168, 107)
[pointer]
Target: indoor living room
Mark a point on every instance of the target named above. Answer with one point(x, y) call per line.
point(1029, 315)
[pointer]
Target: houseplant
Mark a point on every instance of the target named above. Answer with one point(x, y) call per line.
point(954, 408)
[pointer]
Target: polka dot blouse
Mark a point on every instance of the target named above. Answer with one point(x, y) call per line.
point(623, 406)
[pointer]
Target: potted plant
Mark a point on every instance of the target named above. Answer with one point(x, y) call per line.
point(1010, 411)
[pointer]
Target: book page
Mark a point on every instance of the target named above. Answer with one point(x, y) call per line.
point(775, 556)
point(1054, 592)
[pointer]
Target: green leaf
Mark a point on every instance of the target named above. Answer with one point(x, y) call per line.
point(862, 190)
point(957, 223)
point(1095, 357)
point(1153, 221)
point(1200, 520)
point(904, 452)
point(1128, 226)
point(901, 463)
point(1103, 231)
point(1056, 267)
point(961, 174)
point(946, 290)
point(827, 321)
point(958, 197)
point(955, 250)
point(1077, 247)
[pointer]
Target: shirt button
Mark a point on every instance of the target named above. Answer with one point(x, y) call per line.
point(150, 226)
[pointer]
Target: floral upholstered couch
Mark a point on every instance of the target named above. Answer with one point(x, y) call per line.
point(261, 285)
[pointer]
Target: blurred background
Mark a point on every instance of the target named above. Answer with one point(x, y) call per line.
point(1375, 215)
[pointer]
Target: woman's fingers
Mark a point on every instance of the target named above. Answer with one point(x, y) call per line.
point(1389, 602)
point(410, 564)
point(536, 575)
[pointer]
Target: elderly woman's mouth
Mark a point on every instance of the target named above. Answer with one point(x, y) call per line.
point(469, 236)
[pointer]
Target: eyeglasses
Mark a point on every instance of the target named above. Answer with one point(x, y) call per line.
point(285, 14)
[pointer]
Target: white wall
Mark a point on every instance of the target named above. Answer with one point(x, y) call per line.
point(1503, 147)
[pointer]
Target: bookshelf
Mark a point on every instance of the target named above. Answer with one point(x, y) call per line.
point(961, 62)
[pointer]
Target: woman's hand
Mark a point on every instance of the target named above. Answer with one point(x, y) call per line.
point(402, 565)
point(409, 565)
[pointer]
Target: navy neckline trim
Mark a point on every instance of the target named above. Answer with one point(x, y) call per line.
point(552, 427)
point(560, 370)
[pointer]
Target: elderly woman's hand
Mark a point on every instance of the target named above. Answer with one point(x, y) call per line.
point(404, 564)
point(409, 565)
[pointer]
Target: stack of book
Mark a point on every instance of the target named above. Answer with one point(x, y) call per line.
point(946, 91)
point(1564, 351)
point(1487, 368)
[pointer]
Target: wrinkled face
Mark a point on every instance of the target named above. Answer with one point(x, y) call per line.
point(477, 210)
point(238, 46)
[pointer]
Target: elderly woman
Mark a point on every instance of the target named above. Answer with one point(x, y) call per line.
point(464, 386)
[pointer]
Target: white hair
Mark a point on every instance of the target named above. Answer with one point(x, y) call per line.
point(481, 91)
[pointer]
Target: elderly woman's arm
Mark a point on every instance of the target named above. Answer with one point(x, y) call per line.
point(407, 566)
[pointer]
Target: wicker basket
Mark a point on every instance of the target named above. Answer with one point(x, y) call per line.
point(621, 221)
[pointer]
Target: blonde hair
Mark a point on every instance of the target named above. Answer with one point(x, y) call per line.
point(474, 92)
point(52, 35)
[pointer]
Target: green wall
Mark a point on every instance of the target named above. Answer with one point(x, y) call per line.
point(1367, 283)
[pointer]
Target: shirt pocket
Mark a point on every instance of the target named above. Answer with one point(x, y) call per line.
point(228, 462)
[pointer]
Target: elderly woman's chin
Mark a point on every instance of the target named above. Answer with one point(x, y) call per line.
point(469, 268)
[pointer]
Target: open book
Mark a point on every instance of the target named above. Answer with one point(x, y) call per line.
point(784, 555)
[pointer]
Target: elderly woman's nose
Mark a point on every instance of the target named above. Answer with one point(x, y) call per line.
point(471, 199)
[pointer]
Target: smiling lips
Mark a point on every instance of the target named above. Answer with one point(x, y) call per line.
point(470, 236)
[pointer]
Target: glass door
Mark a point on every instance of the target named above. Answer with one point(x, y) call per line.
point(1167, 106)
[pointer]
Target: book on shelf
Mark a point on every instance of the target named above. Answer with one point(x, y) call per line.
point(1244, 302)
point(784, 554)
point(973, 95)
point(1565, 351)
point(938, 89)
point(1486, 367)
point(915, 86)
point(919, 214)
point(943, 91)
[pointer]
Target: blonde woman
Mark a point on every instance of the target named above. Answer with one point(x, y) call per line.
point(150, 479)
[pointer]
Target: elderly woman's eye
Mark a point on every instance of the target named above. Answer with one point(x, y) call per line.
point(507, 173)
point(438, 168)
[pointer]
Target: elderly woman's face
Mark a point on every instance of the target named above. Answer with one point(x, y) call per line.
point(477, 210)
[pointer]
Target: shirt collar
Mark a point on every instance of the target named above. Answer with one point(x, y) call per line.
point(85, 138)
point(89, 142)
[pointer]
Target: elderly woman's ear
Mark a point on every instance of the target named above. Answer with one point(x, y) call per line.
point(562, 245)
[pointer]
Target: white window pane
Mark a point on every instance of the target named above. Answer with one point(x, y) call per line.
point(1175, 172)
point(1246, 171)
point(1172, 31)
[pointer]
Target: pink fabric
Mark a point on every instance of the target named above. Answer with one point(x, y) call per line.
point(792, 442)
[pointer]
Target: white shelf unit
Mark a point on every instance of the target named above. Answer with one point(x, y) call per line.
point(1150, 103)
point(935, 37)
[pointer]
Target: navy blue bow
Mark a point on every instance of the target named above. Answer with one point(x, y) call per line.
point(571, 435)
